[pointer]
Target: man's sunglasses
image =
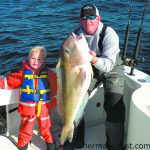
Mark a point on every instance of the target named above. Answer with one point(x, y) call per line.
point(88, 17)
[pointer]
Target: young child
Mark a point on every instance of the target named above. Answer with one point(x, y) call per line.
point(33, 80)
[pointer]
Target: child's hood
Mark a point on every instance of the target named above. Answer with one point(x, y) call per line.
point(25, 65)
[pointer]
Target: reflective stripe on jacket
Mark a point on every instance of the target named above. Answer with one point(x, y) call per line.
point(30, 108)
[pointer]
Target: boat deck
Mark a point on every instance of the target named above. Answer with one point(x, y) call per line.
point(94, 139)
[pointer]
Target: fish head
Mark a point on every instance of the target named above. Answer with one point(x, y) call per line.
point(75, 50)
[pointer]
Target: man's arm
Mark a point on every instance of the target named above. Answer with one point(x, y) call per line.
point(106, 62)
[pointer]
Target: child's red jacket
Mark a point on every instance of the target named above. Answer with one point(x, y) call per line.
point(14, 80)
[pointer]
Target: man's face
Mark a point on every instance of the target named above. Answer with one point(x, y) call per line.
point(90, 26)
point(35, 60)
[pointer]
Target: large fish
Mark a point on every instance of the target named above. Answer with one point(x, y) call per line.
point(74, 73)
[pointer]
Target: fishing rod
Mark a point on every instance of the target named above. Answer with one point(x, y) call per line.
point(127, 34)
point(134, 60)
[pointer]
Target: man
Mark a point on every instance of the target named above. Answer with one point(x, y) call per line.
point(108, 69)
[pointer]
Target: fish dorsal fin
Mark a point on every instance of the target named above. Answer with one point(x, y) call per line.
point(59, 90)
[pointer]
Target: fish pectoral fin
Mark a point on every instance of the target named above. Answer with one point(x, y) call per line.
point(80, 78)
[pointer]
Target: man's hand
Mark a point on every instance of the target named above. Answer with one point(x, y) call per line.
point(94, 59)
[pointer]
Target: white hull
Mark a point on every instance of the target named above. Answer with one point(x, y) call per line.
point(136, 116)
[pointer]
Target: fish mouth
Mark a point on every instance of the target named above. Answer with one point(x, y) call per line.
point(76, 37)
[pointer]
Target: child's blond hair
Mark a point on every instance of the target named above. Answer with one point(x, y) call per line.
point(38, 49)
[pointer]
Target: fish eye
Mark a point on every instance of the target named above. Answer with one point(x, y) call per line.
point(67, 51)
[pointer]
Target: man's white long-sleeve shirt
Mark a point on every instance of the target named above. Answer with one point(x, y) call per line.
point(107, 59)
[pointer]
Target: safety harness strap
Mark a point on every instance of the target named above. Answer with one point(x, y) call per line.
point(29, 76)
point(39, 106)
point(101, 37)
point(28, 90)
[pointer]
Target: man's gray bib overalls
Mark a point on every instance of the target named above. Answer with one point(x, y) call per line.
point(113, 83)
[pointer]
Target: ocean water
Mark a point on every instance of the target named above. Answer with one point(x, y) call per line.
point(24, 24)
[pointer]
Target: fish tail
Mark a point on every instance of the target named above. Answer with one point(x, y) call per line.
point(67, 134)
point(70, 136)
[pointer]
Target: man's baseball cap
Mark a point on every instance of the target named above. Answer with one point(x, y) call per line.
point(89, 9)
